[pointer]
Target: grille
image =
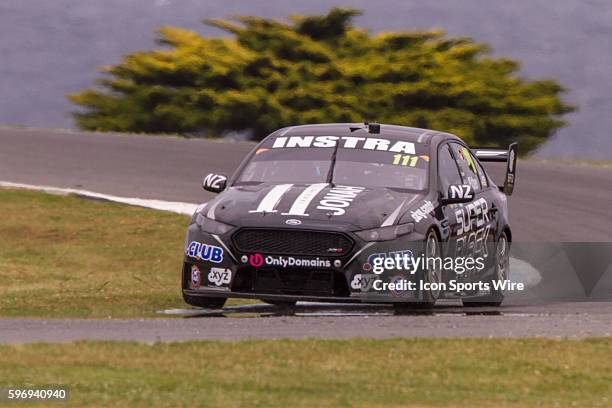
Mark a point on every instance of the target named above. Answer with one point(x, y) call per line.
point(292, 242)
point(294, 281)
point(303, 282)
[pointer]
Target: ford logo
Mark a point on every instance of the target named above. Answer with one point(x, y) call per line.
point(293, 222)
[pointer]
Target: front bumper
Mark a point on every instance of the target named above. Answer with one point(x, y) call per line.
point(340, 278)
point(227, 293)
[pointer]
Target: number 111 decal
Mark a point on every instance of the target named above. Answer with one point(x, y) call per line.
point(405, 160)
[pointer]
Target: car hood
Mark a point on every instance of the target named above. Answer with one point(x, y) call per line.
point(310, 206)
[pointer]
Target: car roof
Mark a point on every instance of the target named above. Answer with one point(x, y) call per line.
point(412, 134)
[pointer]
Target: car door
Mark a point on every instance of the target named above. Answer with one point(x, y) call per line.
point(478, 219)
point(448, 174)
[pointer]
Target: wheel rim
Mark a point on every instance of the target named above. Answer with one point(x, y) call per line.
point(434, 275)
point(503, 260)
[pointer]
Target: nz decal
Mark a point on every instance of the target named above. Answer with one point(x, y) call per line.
point(214, 181)
point(205, 252)
point(458, 191)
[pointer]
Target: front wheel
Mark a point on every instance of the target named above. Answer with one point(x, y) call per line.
point(431, 275)
point(205, 302)
point(502, 269)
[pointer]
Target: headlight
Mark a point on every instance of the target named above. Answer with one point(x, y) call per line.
point(386, 233)
point(212, 226)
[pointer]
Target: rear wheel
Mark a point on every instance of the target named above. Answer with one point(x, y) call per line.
point(205, 302)
point(502, 269)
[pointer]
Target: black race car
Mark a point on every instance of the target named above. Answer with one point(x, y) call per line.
point(353, 213)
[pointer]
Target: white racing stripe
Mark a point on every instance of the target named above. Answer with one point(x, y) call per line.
point(393, 217)
point(301, 203)
point(271, 199)
point(172, 206)
point(211, 211)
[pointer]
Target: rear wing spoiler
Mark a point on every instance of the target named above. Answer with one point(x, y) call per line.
point(491, 154)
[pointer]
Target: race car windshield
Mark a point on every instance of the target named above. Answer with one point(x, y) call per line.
point(287, 165)
point(358, 167)
point(381, 169)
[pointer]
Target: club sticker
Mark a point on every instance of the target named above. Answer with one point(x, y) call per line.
point(205, 252)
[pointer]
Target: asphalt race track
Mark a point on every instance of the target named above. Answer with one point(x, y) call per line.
point(553, 202)
point(586, 320)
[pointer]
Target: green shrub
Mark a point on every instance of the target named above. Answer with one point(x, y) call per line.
point(269, 74)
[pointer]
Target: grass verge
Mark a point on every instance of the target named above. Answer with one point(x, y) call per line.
point(416, 372)
point(71, 257)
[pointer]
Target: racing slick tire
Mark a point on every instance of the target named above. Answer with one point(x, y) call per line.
point(502, 266)
point(205, 302)
point(433, 275)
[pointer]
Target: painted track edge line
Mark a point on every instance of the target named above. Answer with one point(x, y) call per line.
point(171, 206)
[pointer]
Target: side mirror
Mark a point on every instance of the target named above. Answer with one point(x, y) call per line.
point(458, 193)
point(214, 183)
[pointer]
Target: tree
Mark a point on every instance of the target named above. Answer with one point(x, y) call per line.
point(269, 74)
